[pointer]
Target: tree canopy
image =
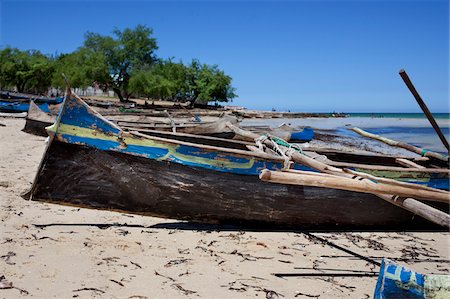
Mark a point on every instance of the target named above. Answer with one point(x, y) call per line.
point(196, 83)
point(124, 62)
point(25, 70)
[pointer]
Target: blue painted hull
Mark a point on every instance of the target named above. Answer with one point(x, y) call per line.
point(8, 106)
point(27, 98)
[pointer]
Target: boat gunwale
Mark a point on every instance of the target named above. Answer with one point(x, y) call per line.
point(134, 134)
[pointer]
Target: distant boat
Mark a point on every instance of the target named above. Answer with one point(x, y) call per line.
point(6, 95)
point(20, 106)
point(37, 120)
point(92, 162)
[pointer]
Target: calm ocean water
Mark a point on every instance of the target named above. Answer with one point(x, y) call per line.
point(421, 136)
point(412, 128)
point(400, 115)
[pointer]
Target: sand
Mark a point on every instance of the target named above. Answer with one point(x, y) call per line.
point(52, 251)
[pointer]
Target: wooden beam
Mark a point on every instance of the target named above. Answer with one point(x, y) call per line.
point(349, 184)
point(408, 163)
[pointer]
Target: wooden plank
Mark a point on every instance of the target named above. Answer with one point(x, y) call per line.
point(342, 183)
point(408, 163)
point(386, 168)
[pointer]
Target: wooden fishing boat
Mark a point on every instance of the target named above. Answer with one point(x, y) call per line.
point(92, 162)
point(37, 120)
point(17, 106)
point(22, 97)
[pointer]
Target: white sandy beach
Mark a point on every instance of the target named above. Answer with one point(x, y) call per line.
point(52, 251)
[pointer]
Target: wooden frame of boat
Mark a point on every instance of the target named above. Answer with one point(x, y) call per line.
point(91, 162)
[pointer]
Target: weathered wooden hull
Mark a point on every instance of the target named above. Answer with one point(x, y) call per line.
point(91, 162)
point(36, 127)
point(87, 177)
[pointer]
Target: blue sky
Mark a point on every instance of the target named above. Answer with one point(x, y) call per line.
point(314, 56)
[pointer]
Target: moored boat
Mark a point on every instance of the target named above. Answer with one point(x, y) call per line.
point(92, 162)
point(37, 120)
point(20, 106)
point(29, 97)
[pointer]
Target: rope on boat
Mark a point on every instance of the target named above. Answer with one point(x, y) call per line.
point(276, 143)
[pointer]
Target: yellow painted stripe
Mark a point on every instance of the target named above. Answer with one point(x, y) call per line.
point(136, 141)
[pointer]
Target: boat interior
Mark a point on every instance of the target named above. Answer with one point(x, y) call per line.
point(333, 157)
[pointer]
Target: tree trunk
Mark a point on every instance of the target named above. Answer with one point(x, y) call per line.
point(119, 94)
point(192, 102)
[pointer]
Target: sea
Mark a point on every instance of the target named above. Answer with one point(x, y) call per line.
point(412, 128)
point(399, 115)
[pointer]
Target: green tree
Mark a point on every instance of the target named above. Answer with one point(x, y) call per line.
point(164, 80)
point(25, 70)
point(196, 83)
point(126, 52)
point(208, 83)
point(83, 68)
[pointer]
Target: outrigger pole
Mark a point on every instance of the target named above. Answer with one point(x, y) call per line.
point(424, 107)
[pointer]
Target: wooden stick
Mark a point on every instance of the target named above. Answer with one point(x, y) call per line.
point(374, 178)
point(408, 163)
point(342, 183)
point(172, 122)
point(391, 181)
point(386, 168)
point(424, 107)
point(406, 146)
point(409, 204)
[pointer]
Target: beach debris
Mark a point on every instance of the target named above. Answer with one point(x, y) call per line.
point(5, 284)
point(43, 238)
point(370, 243)
point(2, 125)
point(8, 256)
point(184, 273)
point(326, 274)
point(211, 243)
point(324, 241)
point(284, 253)
point(118, 282)
point(137, 297)
point(249, 257)
point(176, 262)
point(122, 232)
point(178, 286)
point(89, 289)
point(136, 264)
point(167, 277)
point(262, 244)
point(183, 251)
point(306, 295)
point(240, 286)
